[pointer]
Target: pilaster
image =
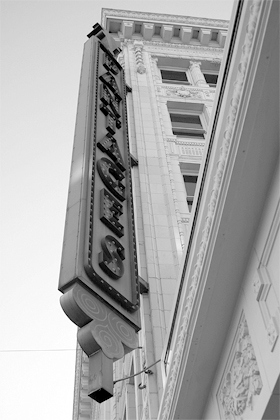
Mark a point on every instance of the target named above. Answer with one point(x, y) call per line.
point(197, 75)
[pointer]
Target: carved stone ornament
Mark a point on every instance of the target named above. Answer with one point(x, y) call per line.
point(242, 380)
point(258, 287)
point(164, 49)
point(263, 288)
point(171, 50)
point(138, 47)
point(146, 411)
point(272, 332)
point(186, 92)
point(121, 60)
point(227, 137)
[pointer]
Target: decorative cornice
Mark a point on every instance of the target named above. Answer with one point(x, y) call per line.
point(227, 137)
point(160, 17)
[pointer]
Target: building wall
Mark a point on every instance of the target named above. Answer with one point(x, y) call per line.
point(223, 328)
point(247, 379)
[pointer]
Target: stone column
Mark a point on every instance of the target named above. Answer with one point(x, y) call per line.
point(197, 75)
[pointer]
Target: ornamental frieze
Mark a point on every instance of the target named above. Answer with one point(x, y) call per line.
point(185, 148)
point(185, 142)
point(187, 51)
point(186, 92)
point(242, 380)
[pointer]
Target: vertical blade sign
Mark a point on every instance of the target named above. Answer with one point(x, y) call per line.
point(99, 250)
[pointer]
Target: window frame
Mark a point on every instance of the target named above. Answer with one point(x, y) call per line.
point(192, 131)
point(190, 198)
point(212, 73)
point(176, 69)
point(192, 170)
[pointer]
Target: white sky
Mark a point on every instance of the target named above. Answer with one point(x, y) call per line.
point(41, 52)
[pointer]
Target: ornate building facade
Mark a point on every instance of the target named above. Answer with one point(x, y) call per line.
point(203, 116)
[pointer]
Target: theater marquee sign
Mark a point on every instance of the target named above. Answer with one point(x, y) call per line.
point(99, 275)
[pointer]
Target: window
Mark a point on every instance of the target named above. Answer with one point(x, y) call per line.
point(211, 79)
point(172, 76)
point(190, 175)
point(187, 125)
point(190, 184)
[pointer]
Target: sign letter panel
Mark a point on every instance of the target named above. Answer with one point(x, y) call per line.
point(99, 250)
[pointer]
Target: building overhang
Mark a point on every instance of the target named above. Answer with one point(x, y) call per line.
point(243, 153)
